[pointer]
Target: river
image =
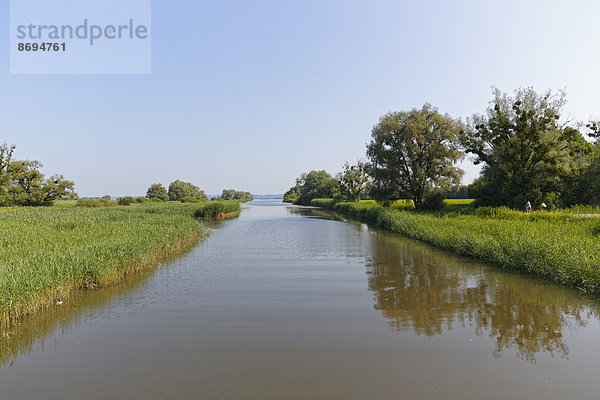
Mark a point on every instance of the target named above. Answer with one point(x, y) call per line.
point(293, 303)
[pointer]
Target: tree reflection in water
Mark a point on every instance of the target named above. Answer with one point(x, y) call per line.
point(427, 291)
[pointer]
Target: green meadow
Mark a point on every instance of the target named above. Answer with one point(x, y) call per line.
point(562, 246)
point(48, 252)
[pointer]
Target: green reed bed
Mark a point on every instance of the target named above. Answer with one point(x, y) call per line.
point(560, 246)
point(216, 209)
point(45, 253)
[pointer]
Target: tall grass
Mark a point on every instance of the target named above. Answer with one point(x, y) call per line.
point(215, 209)
point(46, 253)
point(558, 246)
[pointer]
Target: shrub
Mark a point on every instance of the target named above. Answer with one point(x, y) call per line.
point(291, 198)
point(125, 201)
point(323, 203)
point(142, 200)
point(434, 201)
point(86, 202)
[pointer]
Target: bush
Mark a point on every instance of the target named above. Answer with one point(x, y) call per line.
point(190, 199)
point(142, 200)
point(291, 198)
point(323, 203)
point(95, 202)
point(434, 201)
point(125, 201)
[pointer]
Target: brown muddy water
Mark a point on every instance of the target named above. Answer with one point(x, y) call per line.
point(290, 303)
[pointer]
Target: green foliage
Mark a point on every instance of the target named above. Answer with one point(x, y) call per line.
point(125, 201)
point(46, 252)
point(584, 187)
point(434, 201)
point(141, 200)
point(230, 194)
point(22, 183)
point(6, 177)
point(558, 246)
point(313, 185)
point(178, 190)
point(217, 208)
point(292, 195)
point(323, 203)
point(216, 199)
point(457, 192)
point(102, 202)
point(527, 155)
point(157, 191)
point(412, 152)
point(353, 181)
point(290, 198)
point(190, 199)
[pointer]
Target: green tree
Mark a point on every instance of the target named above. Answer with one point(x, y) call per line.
point(6, 153)
point(28, 187)
point(524, 150)
point(314, 185)
point(580, 178)
point(292, 195)
point(412, 152)
point(582, 186)
point(231, 194)
point(240, 195)
point(178, 190)
point(457, 192)
point(228, 194)
point(157, 191)
point(353, 181)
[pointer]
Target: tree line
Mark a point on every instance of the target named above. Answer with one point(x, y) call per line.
point(22, 184)
point(528, 153)
point(189, 193)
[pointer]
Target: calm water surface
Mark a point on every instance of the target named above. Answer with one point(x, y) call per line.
point(289, 303)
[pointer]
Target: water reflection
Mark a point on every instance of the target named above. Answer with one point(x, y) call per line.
point(426, 291)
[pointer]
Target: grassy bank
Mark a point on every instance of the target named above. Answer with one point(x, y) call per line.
point(560, 246)
point(46, 253)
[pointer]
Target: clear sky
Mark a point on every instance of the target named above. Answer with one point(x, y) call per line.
point(249, 94)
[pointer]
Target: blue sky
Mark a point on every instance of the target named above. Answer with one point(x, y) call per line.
point(249, 94)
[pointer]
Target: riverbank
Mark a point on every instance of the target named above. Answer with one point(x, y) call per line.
point(560, 246)
point(48, 253)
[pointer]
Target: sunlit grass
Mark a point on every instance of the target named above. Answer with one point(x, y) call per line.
point(45, 253)
point(560, 245)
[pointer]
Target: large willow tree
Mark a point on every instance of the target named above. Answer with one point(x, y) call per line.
point(525, 151)
point(411, 153)
point(22, 183)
